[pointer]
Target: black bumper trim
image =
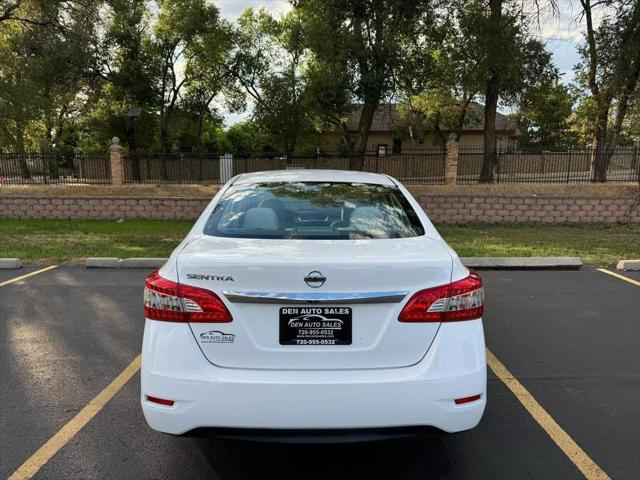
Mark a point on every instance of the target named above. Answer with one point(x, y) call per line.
point(328, 435)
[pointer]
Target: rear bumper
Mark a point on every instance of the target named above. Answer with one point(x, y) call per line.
point(316, 436)
point(206, 396)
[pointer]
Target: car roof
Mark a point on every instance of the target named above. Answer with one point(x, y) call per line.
point(347, 176)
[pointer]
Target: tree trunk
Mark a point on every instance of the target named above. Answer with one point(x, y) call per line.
point(462, 115)
point(491, 105)
point(199, 147)
point(442, 141)
point(599, 158)
point(622, 106)
point(133, 148)
point(356, 162)
point(22, 158)
point(199, 124)
point(347, 138)
point(164, 145)
point(490, 147)
point(164, 133)
point(290, 147)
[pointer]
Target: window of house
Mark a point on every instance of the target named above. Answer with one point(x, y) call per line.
point(382, 150)
point(397, 145)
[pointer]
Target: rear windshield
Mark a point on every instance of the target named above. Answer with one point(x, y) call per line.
point(313, 210)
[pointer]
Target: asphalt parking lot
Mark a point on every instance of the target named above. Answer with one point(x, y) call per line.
point(571, 338)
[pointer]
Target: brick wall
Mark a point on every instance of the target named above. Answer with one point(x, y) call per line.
point(498, 208)
point(102, 207)
point(441, 208)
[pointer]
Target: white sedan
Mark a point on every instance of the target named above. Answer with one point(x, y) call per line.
point(313, 304)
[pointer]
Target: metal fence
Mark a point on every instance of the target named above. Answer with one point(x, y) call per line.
point(53, 167)
point(423, 166)
point(539, 166)
point(172, 168)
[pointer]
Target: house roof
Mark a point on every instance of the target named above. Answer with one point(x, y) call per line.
point(385, 119)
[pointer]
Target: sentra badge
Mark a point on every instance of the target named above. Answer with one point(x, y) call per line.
point(218, 278)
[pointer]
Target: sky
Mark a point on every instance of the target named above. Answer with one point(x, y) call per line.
point(561, 32)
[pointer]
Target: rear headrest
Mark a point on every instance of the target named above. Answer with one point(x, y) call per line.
point(366, 216)
point(260, 218)
point(277, 206)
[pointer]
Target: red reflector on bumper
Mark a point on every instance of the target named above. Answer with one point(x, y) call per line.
point(472, 398)
point(161, 401)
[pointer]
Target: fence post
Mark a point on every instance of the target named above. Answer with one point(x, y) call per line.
point(116, 162)
point(226, 167)
point(451, 162)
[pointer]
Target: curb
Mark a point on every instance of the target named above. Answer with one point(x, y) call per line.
point(10, 263)
point(112, 262)
point(629, 265)
point(558, 263)
point(480, 263)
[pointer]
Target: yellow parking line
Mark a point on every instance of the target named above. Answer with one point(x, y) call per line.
point(29, 468)
point(22, 277)
point(621, 277)
point(571, 449)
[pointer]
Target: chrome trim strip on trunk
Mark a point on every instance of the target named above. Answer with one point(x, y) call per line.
point(302, 298)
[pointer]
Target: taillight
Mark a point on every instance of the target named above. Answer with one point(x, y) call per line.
point(172, 302)
point(461, 300)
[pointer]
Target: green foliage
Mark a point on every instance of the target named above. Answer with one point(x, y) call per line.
point(544, 116)
point(608, 77)
point(362, 45)
point(616, 43)
point(70, 70)
point(46, 67)
point(465, 48)
point(269, 65)
point(245, 138)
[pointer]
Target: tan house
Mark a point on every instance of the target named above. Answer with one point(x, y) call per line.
point(389, 134)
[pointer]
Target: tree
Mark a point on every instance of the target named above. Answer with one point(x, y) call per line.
point(209, 75)
point(18, 105)
point(544, 114)
point(7, 9)
point(130, 71)
point(246, 138)
point(47, 63)
point(610, 72)
point(450, 74)
point(497, 30)
point(43, 13)
point(127, 72)
point(366, 39)
point(268, 65)
point(329, 100)
point(511, 62)
point(180, 25)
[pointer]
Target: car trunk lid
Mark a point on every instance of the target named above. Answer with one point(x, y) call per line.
point(365, 283)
